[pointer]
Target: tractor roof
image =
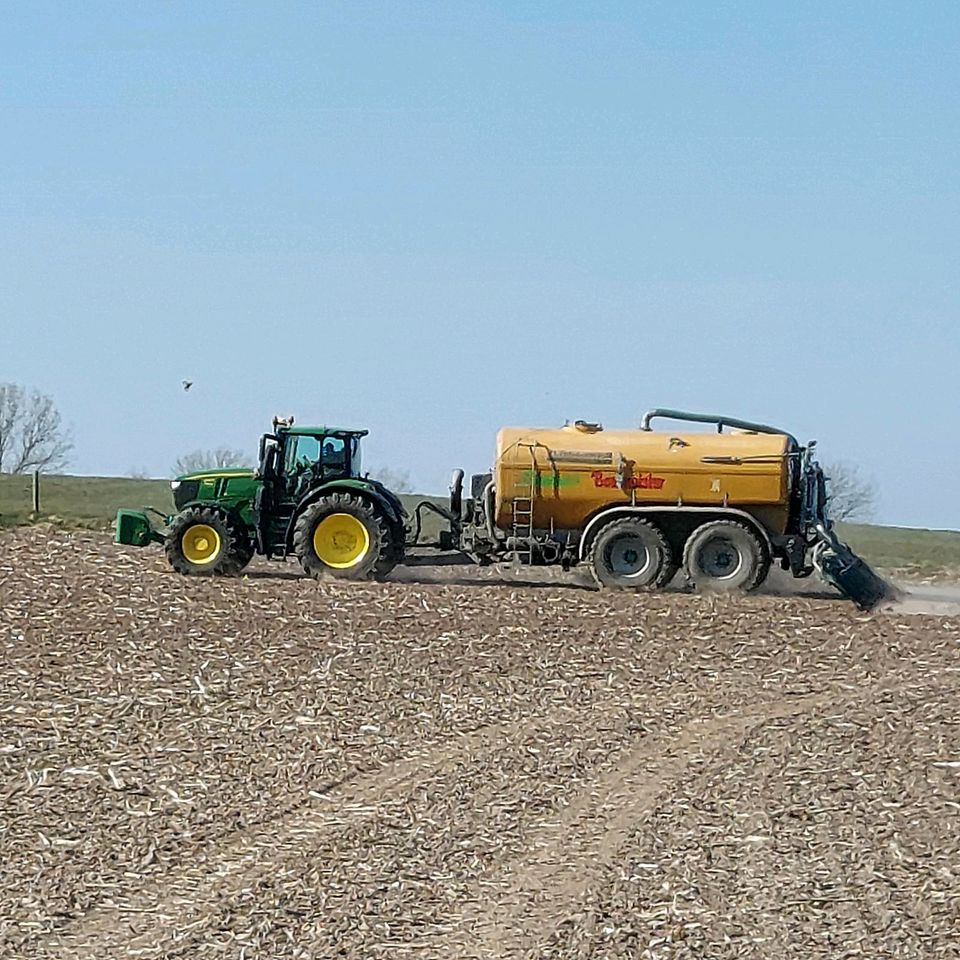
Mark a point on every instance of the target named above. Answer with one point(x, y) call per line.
point(304, 431)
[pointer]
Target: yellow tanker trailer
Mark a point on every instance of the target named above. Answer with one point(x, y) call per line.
point(638, 505)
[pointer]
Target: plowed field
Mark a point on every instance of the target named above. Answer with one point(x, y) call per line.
point(272, 767)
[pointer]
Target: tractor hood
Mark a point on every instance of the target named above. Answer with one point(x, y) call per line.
point(229, 487)
point(221, 472)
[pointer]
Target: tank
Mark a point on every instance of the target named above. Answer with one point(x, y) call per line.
point(570, 473)
point(639, 506)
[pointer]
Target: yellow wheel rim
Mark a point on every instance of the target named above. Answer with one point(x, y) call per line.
point(201, 544)
point(341, 540)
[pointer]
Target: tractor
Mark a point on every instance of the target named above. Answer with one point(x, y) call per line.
point(307, 497)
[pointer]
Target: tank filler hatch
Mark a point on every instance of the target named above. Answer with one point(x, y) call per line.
point(583, 426)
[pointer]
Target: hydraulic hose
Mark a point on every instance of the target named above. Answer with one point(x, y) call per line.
point(489, 506)
point(418, 518)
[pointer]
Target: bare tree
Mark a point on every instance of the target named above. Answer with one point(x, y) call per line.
point(210, 460)
point(851, 496)
point(396, 480)
point(32, 433)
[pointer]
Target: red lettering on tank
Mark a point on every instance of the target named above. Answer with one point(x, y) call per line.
point(644, 481)
point(599, 480)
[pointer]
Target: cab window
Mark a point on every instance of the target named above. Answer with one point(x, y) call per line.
point(301, 452)
point(334, 454)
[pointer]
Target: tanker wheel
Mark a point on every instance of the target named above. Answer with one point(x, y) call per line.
point(631, 554)
point(204, 542)
point(343, 536)
point(725, 556)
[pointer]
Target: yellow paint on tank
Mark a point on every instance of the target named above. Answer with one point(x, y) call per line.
point(572, 472)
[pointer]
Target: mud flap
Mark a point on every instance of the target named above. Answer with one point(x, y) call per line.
point(854, 578)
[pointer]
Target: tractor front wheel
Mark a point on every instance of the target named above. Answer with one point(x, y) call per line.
point(203, 542)
point(344, 536)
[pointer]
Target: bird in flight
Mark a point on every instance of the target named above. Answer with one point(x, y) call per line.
point(187, 384)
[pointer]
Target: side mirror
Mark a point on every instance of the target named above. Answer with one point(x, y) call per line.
point(267, 458)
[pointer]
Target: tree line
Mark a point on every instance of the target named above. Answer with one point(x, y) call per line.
point(32, 432)
point(33, 437)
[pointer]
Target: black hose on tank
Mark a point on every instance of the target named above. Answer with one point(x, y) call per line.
point(720, 421)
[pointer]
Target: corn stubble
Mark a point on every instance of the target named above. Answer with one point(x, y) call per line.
point(273, 767)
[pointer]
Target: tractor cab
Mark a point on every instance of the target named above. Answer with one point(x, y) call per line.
point(294, 463)
point(294, 459)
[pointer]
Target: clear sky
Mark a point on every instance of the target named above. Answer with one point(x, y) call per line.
point(434, 219)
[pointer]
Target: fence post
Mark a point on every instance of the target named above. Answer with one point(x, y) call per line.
point(36, 491)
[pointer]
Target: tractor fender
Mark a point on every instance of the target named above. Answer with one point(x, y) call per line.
point(379, 495)
point(384, 494)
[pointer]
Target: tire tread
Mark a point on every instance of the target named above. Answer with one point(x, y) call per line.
point(386, 554)
point(667, 569)
point(759, 554)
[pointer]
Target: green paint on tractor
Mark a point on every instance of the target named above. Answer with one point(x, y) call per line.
point(305, 476)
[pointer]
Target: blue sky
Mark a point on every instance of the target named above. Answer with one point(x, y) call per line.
point(434, 219)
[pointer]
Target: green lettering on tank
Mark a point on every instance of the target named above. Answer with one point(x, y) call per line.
point(549, 480)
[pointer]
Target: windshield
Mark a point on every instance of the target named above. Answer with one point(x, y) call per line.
point(301, 452)
point(308, 451)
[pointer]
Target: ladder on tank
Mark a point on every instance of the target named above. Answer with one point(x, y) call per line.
point(521, 511)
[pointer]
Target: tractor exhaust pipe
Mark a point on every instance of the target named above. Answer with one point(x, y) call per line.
point(456, 493)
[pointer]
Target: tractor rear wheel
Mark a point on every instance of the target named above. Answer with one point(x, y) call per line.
point(205, 542)
point(725, 556)
point(243, 553)
point(631, 554)
point(396, 551)
point(344, 536)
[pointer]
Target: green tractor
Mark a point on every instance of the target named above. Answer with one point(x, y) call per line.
point(307, 497)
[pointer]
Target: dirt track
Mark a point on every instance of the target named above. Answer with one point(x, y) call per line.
point(272, 767)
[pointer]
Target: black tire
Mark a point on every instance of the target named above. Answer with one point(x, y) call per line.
point(224, 554)
point(671, 571)
point(631, 554)
point(394, 551)
point(243, 554)
point(725, 556)
point(379, 556)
